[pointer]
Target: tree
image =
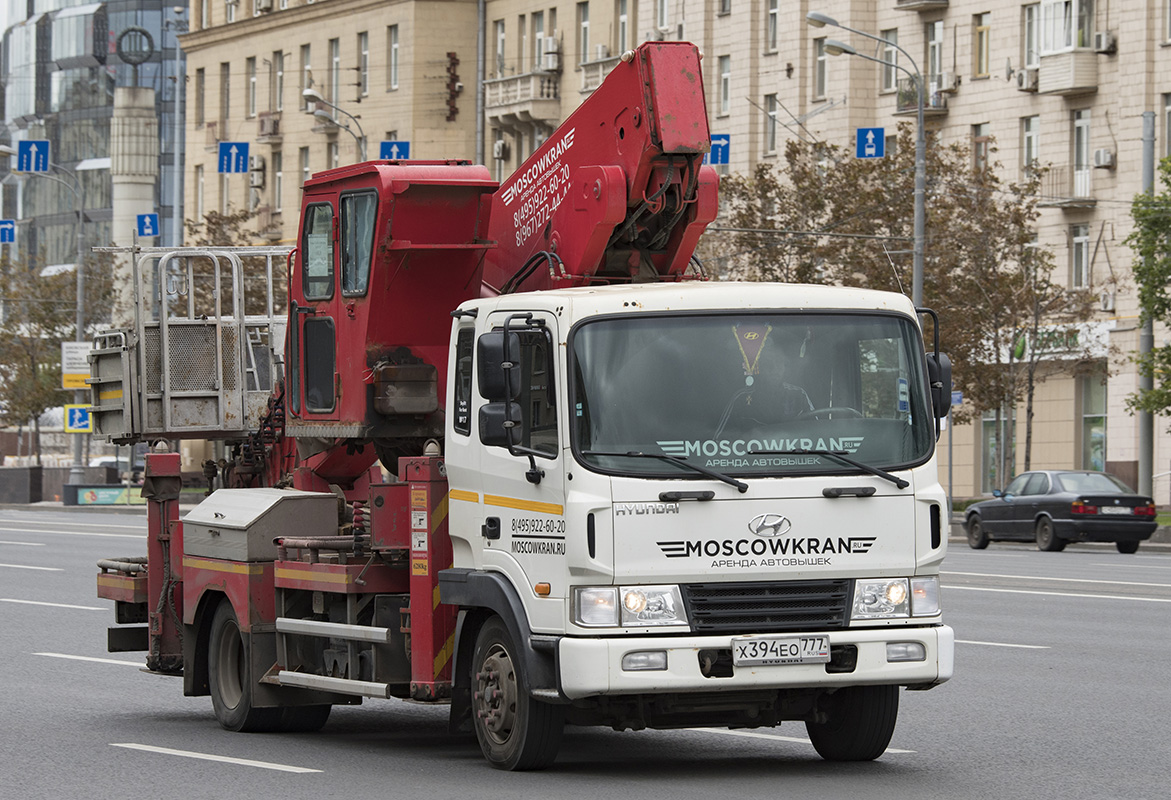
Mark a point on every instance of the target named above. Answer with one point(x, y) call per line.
point(1151, 242)
point(829, 217)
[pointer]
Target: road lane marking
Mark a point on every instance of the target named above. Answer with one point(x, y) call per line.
point(25, 566)
point(74, 522)
point(1061, 594)
point(26, 544)
point(244, 762)
point(54, 605)
point(1005, 644)
point(1115, 564)
point(91, 658)
point(1061, 580)
point(77, 533)
point(775, 738)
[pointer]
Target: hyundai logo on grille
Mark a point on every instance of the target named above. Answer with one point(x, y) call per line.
point(770, 525)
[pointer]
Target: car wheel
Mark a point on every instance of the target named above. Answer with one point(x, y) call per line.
point(1127, 547)
point(977, 536)
point(1047, 540)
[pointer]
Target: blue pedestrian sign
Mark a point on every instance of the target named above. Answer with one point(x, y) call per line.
point(871, 143)
point(233, 157)
point(7, 231)
point(32, 155)
point(148, 224)
point(957, 398)
point(721, 145)
point(389, 151)
point(78, 420)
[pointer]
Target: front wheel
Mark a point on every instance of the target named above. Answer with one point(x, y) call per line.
point(1127, 547)
point(515, 731)
point(977, 536)
point(1047, 539)
point(860, 721)
point(229, 673)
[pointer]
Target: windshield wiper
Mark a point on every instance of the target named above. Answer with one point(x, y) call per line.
point(840, 456)
point(683, 462)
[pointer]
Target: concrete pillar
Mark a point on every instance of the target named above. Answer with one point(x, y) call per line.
point(134, 172)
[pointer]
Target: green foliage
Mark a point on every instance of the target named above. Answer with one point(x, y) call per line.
point(1151, 242)
point(220, 230)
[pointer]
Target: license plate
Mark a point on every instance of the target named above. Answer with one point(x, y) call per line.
point(1115, 510)
point(767, 650)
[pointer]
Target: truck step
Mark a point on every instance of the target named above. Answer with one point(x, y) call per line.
point(333, 630)
point(339, 685)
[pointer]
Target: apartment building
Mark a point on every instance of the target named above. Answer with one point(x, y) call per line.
point(401, 72)
point(1063, 83)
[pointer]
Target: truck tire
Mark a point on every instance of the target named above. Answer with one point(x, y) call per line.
point(860, 724)
point(1047, 538)
point(515, 731)
point(229, 673)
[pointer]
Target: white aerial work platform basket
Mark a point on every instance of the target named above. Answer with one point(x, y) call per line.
point(204, 352)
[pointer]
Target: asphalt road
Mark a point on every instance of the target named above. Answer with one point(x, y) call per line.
point(1062, 687)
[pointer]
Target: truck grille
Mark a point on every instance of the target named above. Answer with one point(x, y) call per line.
point(767, 607)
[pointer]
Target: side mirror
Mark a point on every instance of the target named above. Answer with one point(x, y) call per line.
point(495, 428)
point(997, 493)
point(491, 357)
point(939, 376)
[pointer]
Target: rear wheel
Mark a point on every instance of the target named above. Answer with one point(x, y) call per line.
point(516, 731)
point(977, 536)
point(1047, 539)
point(1127, 547)
point(229, 672)
point(861, 720)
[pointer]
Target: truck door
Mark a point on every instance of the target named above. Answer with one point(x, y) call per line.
point(313, 335)
point(523, 487)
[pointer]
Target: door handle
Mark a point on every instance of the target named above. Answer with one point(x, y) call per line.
point(491, 528)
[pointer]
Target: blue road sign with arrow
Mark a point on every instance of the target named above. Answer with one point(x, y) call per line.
point(393, 150)
point(721, 147)
point(870, 143)
point(233, 157)
point(32, 155)
point(7, 231)
point(148, 224)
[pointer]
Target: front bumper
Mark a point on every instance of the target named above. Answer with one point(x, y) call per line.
point(590, 667)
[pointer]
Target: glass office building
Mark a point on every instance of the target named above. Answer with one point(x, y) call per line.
point(58, 70)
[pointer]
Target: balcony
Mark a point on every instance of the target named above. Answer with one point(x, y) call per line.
point(920, 5)
point(594, 72)
point(1069, 73)
point(907, 101)
point(1064, 186)
point(524, 99)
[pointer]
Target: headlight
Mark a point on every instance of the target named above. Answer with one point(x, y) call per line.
point(886, 598)
point(925, 596)
point(628, 606)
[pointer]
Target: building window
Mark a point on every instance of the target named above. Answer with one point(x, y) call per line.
point(982, 35)
point(335, 71)
point(199, 193)
point(890, 57)
point(1079, 256)
point(250, 70)
point(392, 56)
point(725, 6)
point(303, 157)
point(363, 63)
point(278, 179)
point(284, 4)
point(623, 27)
point(277, 101)
point(934, 39)
point(200, 96)
point(990, 477)
point(1081, 153)
point(583, 32)
point(230, 11)
point(225, 96)
point(333, 155)
point(661, 15)
point(725, 93)
point(1093, 393)
point(522, 37)
point(1066, 24)
point(538, 21)
point(306, 75)
point(770, 123)
point(499, 25)
point(1167, 124)
point(770, 26)
point(1032, 35)
point(981, 145)
point(819, 68)
point(1030, 144)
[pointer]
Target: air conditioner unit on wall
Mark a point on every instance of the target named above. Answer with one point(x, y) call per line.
point(601, 52)
point(264, 5)
point(1103, 158)
point(270, 125)
point(1028, 79)
point(948, 81)
point(500, 150)
point(1106, 300)
point(1104, 43)
point(550, 58)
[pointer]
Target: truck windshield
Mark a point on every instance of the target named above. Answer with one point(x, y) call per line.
point(744, 394)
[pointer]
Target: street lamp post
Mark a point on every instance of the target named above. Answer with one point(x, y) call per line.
point(177, 26)
point(818, 20)
point(313, 95)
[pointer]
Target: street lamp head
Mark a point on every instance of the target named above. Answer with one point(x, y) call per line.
point(322, 114)
point(6, 150)
point(835, 48)
point(819, 20)
point(313, 94)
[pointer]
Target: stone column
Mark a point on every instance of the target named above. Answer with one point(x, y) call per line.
point(134, 172)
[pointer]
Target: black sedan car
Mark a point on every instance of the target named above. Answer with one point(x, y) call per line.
point(1055, 507)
